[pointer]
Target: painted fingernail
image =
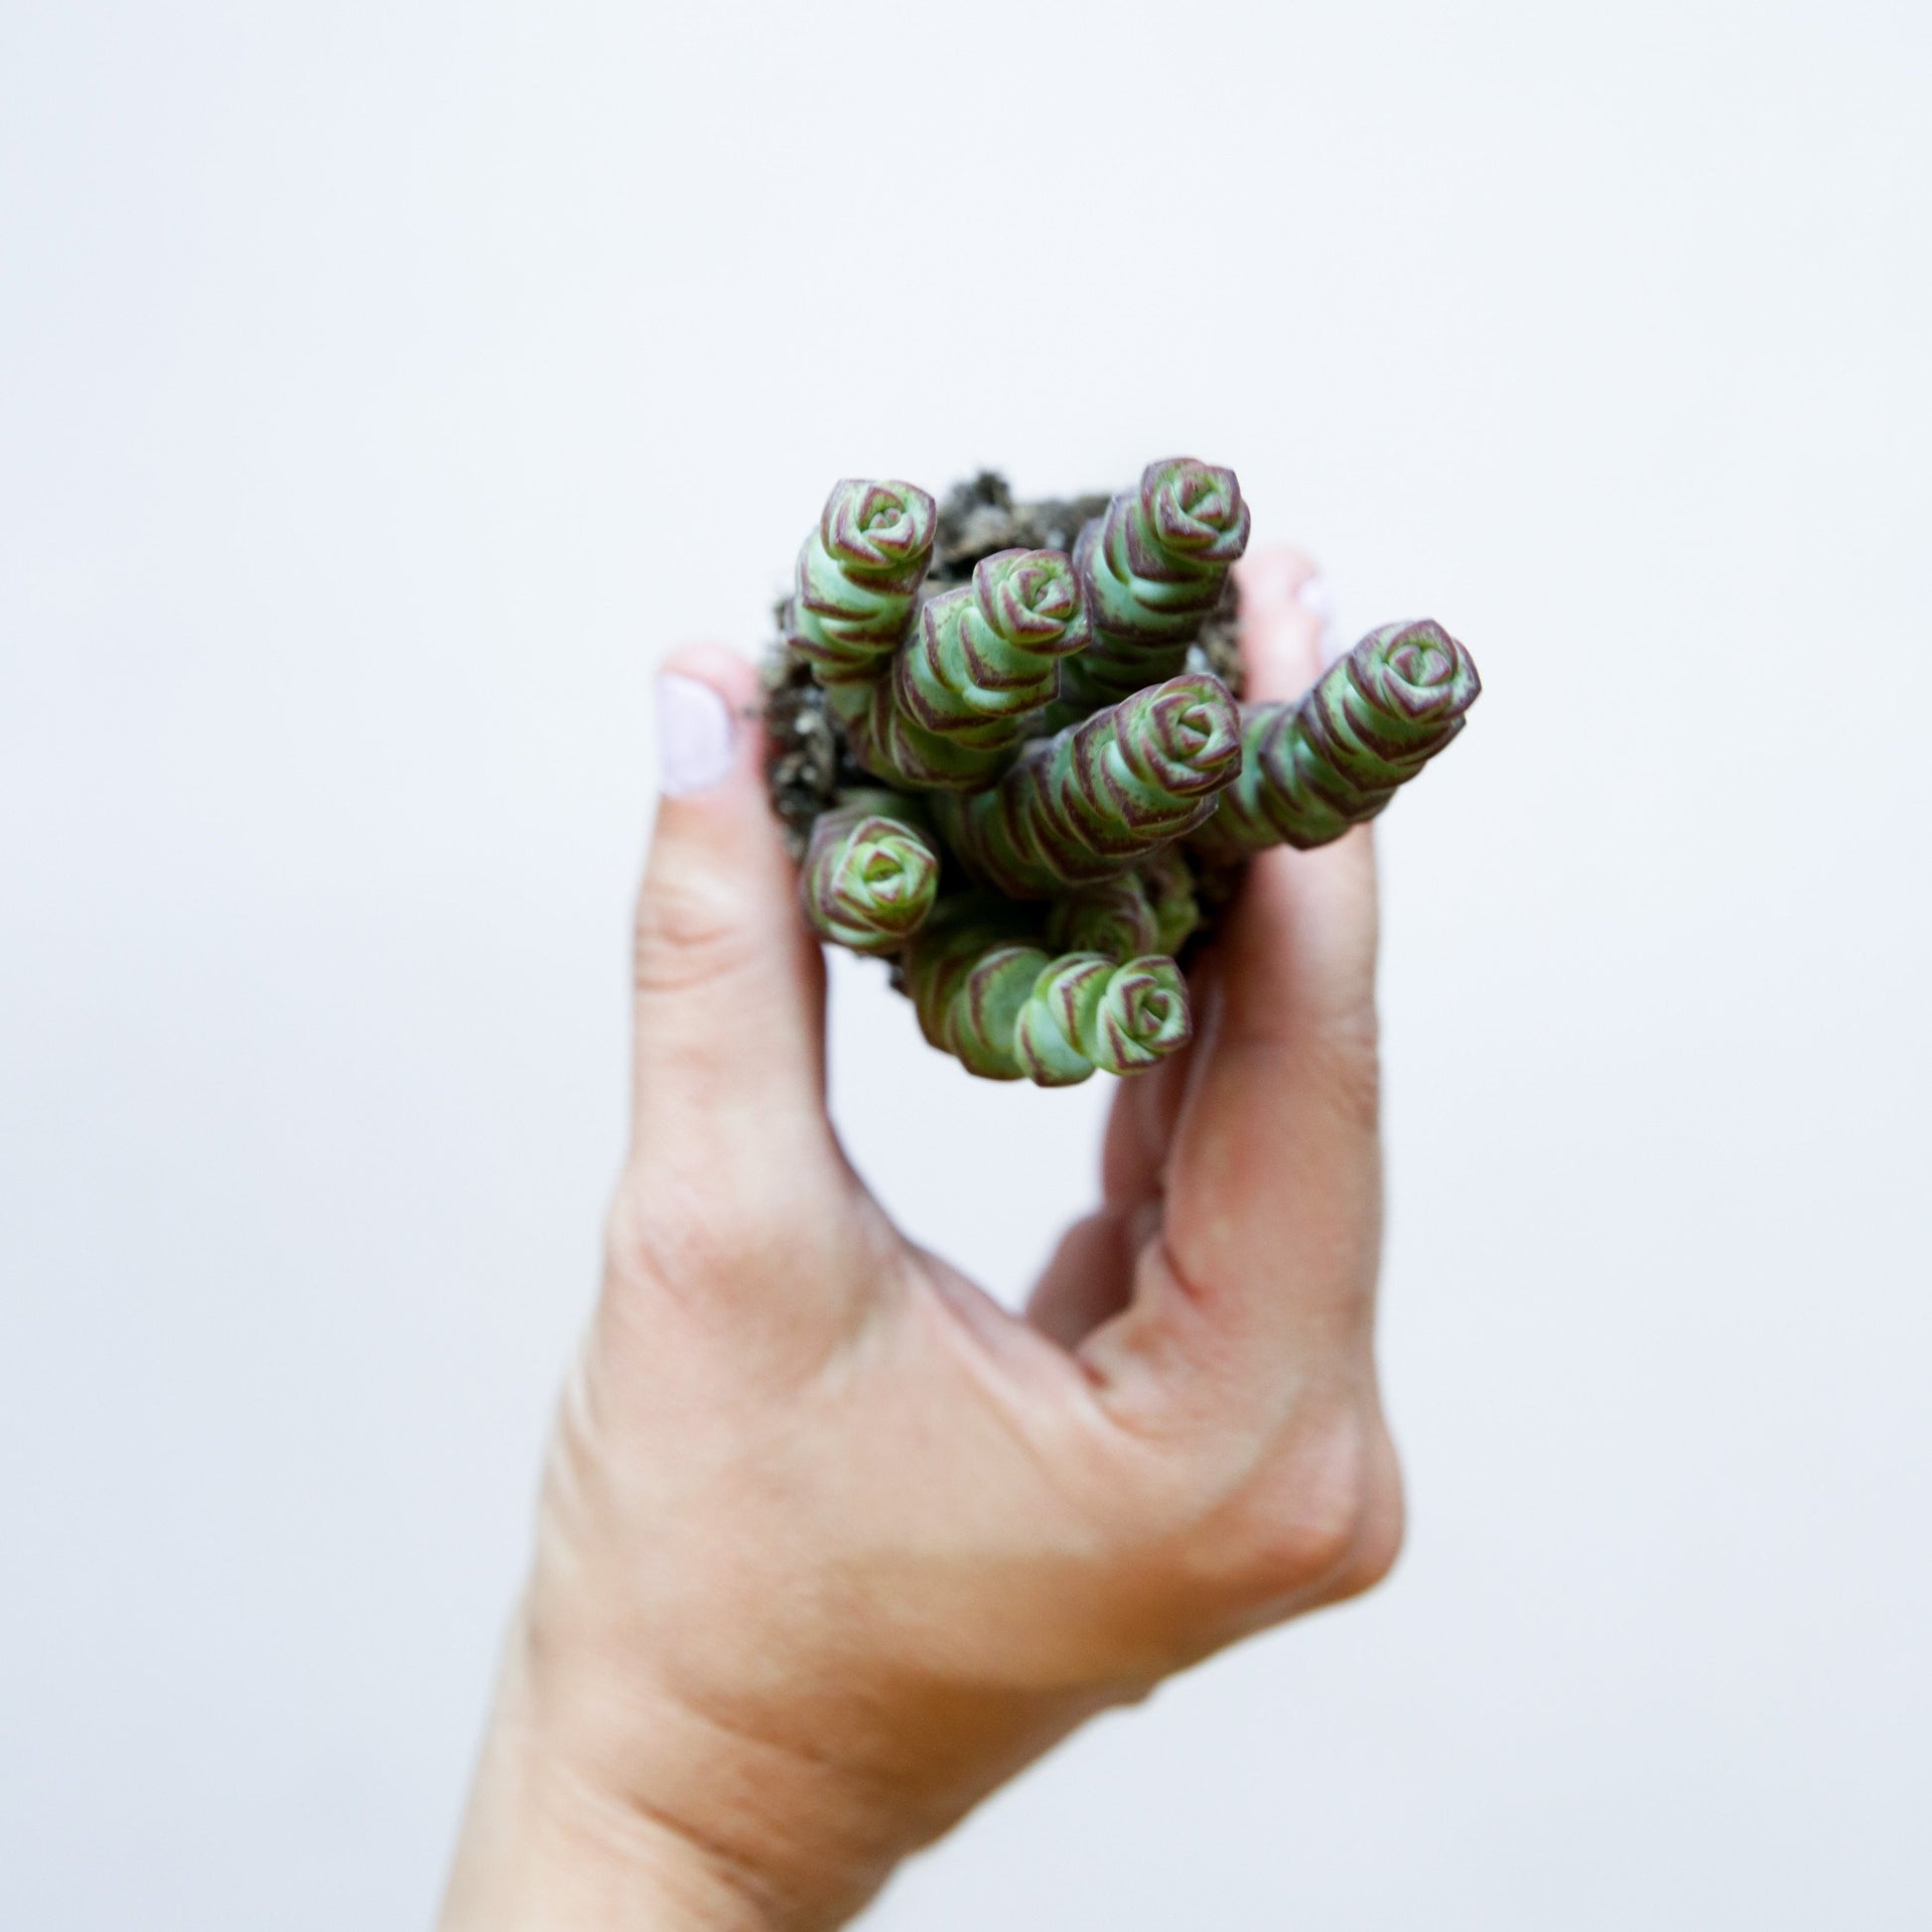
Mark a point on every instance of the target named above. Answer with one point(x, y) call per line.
point(694, 736)
point(1316, 598)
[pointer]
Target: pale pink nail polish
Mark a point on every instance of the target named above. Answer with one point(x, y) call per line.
point(694, 736)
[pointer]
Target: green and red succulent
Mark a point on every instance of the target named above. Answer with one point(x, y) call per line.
point(1045, 780)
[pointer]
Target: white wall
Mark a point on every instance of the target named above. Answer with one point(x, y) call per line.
point(385, 386)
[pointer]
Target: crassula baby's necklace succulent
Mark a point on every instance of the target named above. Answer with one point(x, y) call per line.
point(1035, 783)
point(1149, 910)
point(857, 574)
point(1007, 1007)
point(1100, 796)
point(871, 873)
point(1335, 755)
point(976, 665)
point(1153, 567)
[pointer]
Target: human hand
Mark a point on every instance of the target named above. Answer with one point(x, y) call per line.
point(830, 1545)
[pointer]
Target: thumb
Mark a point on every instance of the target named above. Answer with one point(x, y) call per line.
point(729, 986)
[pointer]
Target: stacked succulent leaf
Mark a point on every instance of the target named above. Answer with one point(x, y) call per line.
point(1050, 780)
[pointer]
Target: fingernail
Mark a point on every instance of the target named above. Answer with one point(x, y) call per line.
point(694, 736)
point(1316, 598)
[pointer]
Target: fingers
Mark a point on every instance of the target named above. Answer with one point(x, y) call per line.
point(1305, 922)
point(1141, 1121)
point(1272, 1180)
point(1297, 955)
point(1286, 621)
point(730, 1073)
point(1089, 1277)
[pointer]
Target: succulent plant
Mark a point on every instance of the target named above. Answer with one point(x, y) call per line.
point(1168, 882)
point(857, 574)
point(1035, 791)
point(1008, 1008)
point(871, 873)
point(1099, 795)
point(978, 662)
point(1335, 757)
point(1116, 917)
point(1153, 567)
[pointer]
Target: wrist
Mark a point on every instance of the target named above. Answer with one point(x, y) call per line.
point(544, 1847)
point(562, 1833)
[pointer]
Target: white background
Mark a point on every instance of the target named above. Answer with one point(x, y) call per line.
point(383, 387)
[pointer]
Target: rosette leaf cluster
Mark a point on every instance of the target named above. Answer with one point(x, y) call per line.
point(857, 577)
point(1151, 909)
point(978, 663)
point(1099, 797)
point(1153, 569)
point(1089, 1012)
point(1168, 882)
point(1336, 755)
point(1008, 1010)
point(1115, 917)
point(871, 873)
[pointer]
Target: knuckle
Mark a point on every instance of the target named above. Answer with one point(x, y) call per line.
point(669, 1237)
point(1215, 1551)
point(1322, 1518)
point(1349, 1055)
point(1377, 1546)
point(688, 933)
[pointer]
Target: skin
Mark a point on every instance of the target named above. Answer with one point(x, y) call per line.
point(830, 1545)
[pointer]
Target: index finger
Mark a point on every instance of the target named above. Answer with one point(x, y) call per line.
point(1272, 1182)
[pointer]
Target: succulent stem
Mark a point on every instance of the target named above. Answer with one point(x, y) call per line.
point(1152, 569)
point(979, 663)
point(1151, 909)
point(1336, 757)
point(1008, 1010)
point(1102, 795)
point(1115, 917)
point(856, 578)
